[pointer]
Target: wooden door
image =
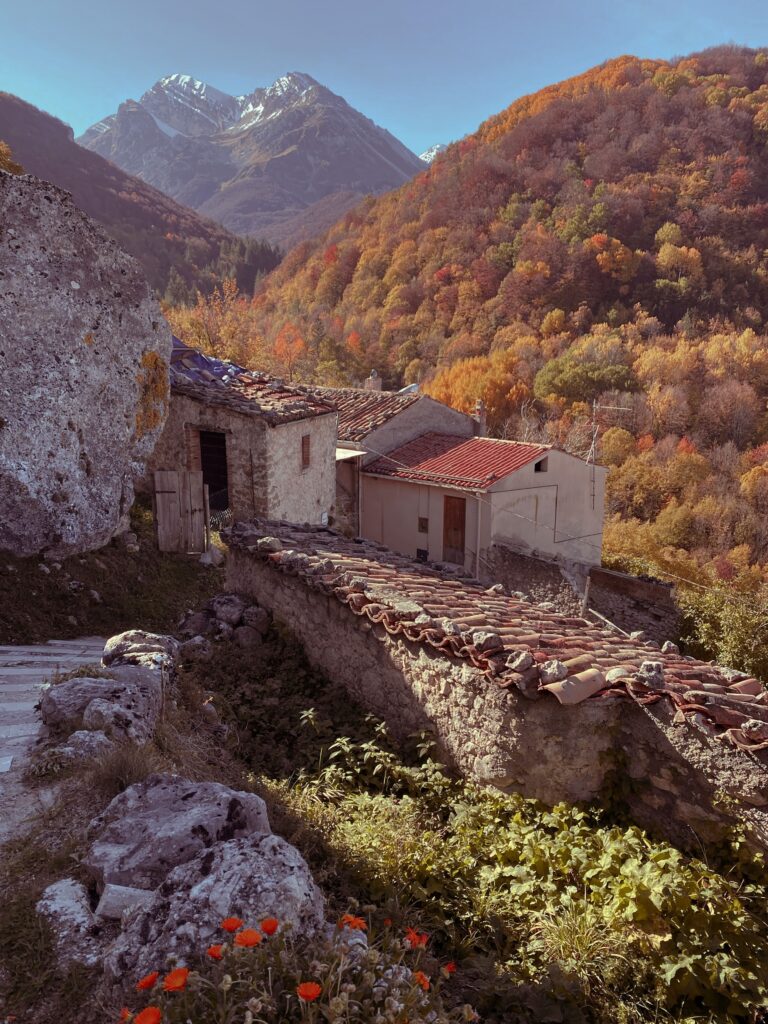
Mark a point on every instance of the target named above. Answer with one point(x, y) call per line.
point(181, 515)
point(454, 528)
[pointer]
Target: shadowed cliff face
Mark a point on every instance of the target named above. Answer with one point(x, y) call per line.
point(282, 161)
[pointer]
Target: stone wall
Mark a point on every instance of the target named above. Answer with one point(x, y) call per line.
point(539, 580)
point(633, 604)
point(674, 776)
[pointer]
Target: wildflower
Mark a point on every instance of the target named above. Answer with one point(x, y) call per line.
point(125, 1014)
point(387, 922)
point(176, 981)
point(215, 952)
point(148, 981)
point(231, 924)
point(450, 967)
point(356, 924)
point(421, 979)
point(226, 983)
point(308, 991)
point(269, 925)
point(415, 939)
point(149, 1015)
point(248, 937)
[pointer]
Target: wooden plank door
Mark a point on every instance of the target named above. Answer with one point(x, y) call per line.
point(181, 517)
point(167, 519)
point(454, 529)
point(196, 540)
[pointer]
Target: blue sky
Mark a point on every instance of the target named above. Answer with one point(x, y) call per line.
point(428, 71)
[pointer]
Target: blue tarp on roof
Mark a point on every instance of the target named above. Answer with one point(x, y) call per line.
point(193, 365)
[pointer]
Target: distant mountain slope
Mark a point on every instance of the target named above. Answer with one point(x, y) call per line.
point(175, 245)
point(282, 162)
point(637, 190)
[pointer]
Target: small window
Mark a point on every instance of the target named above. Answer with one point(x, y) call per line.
point(422, 554)
point(423, 525)
point(305, 451)
point(541, 466)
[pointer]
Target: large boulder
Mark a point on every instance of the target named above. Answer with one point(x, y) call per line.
point(252, 878)
point(137, 647)
point(77, 935)
point(165, 821)
point(84, 354)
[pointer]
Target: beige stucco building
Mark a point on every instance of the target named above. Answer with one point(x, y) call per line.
point(264, 449)
point(448, 499)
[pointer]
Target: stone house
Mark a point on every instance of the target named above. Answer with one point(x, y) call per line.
point(265, 449)
point(371, 424)
point(458, 500)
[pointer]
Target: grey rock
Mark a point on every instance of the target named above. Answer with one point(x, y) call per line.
point(669, 648)
point(268, 544)
point(83, 746)
point(547, 606)
point(227, 608)
point(520, 661)
point(252, 878)
point(95, 596)
point(651, 673)
point(165, 821)
point(223, 631)
point(247, 637)
point(638, 634)
point(257, 618)
point(195, 649)
point(126, 706)
point(116, 900)
point(136, 647)
point(613, 675)
point(552, 671)
point(213, 557)
point(128, 541)
point(484, 642)
point(197, 624)
point(88, 393)
point(76, 933)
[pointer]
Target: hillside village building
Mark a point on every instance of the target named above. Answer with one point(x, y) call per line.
point(263, 448)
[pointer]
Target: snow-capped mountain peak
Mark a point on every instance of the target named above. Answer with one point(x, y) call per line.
point(429, 154)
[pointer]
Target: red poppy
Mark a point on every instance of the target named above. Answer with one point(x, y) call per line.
point(231, 924)
point(148, 981)
point(215, 952)
point(421, 979)
point(269, 925)
point(356, 924)
point(308, 991)
point(176, 981)
point(450, 967)
point(150, 1015)
point(248, 937)
point(415, 939)
point(125, 1014)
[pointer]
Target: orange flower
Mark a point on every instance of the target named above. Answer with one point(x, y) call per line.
point(125, 1014)
point(176, 981)
point(248, 937)
point(215, 952)
point(270, 925)
point(148, 981)
point(421, 979)
point(150, 1015)
point(308, 991)
point(388, 922)
point(231, 924)
point(357, 924)
point(415, 939)
point(450, 967)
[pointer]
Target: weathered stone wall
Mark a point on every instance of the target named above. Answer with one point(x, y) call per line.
point(675, 778)
point(178, 448)
point(539, 580)
point(635, 604)
point(84, 354)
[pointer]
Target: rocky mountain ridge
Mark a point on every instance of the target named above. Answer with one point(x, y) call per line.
point(282, 161)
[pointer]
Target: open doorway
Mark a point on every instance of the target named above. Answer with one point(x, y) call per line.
point(213, 462)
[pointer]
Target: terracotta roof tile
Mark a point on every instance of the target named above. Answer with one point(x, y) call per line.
point(361, 412)
point(469, 463)
point(456, 615)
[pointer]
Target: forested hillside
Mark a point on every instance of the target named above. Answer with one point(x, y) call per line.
point(179, 250)
point(604, 240)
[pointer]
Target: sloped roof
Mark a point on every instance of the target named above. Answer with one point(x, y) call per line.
point(218, 382)
point(472, 463)
point(361, 412)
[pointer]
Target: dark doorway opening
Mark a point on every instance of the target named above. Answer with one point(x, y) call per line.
point(213, 462)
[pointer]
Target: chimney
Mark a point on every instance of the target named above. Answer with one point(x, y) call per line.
point(372, 383)
point(480, 418)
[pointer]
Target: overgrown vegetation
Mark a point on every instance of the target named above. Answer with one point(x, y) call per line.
point(546, 911)
point(101, 592)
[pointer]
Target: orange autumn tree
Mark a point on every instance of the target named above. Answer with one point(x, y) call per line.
point(493, 379)
point(289, 350)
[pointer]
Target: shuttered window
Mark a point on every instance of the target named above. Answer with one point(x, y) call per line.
point(305, 451)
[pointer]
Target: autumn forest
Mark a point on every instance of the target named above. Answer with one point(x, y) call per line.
point(593, 264)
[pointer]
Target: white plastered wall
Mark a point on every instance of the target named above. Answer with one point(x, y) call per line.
point(296, 494)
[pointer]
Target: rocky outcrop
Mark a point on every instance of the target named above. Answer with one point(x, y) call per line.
point(163, 822)
point(76, 934)
point(83, 374)
point(260, 876)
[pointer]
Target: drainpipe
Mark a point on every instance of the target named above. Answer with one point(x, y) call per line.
point(477, 541)
point(359, 496)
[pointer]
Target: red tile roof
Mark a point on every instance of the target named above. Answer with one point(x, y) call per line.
point(459, 618)
point(471, 463)
point(362, 412)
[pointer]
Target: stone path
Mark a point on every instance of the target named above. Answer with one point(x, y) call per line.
point(23, 673)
